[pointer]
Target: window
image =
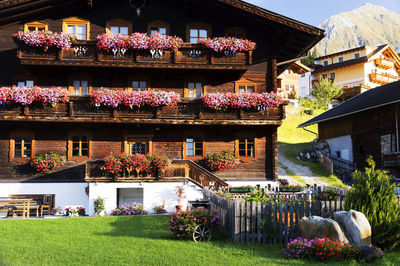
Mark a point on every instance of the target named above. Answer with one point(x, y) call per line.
point(388, 143)
point(77, 27)
point(22, 144)
point(194, 90)
point(356, 55)
point(303, 75)
point(25, 83)
point(245, 147)
point(193, 147)
point(138, 144)
point(79, 145)
point(333, 75)
point(119, 26)
point(35, 26)
point(245, 85)
point(197, 31)
point(324, 76)
point(80, 87)
point(326, 63)
point(158, 26)
point(236, 32)
point(139, 85)
point(340, 59)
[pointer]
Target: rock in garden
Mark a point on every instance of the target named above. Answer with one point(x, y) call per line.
point(355, 226)
point(316, 226)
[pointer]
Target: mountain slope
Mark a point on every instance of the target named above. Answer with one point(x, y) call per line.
point(366, 25)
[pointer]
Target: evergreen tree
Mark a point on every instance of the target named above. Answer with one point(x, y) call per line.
point(373, 195)
point(310, 60)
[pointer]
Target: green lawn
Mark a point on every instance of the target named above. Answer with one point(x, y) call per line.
point(138, 240)
point(293, 140)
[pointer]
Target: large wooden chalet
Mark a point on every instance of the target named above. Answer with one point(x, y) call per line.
point(84, 133)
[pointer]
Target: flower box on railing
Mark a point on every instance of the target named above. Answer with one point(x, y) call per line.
point(154, 56)
point(240, 190)
point(27, 52)
point(291, 189)
point(116, 56)
point(218, 115)
point(269, 113)
point(228, 58)
point(192, 54)
point(11, 109)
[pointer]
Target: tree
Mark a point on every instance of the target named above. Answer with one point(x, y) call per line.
point(310, 60)
point(326, 90)
point(373, 195)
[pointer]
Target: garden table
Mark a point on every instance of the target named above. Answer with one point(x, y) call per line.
point(25, 204)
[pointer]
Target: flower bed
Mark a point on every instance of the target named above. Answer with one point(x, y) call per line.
point(44, 39)
point(28, 95)
point(136, 164)
point(127, 210)
point(183, 224)
point(325, 249)
point(221, 161)
point(237, 101)
point(138, 41)
point(46, 163)
point(230, 44)
point(134, 99)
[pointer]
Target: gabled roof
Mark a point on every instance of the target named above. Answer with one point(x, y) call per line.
point(346, 63)
point(373, 98)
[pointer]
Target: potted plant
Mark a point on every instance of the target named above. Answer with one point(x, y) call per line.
point(58, 211)
point(99, 207)
point(180, 194)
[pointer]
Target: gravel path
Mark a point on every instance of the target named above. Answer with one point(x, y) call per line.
point(299, 170)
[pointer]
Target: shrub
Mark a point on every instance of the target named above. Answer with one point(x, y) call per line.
point(127, 210)
point(258, 196)
point(327, 195)
point(183, 224)
point(370, 253)
point(221, 161)
point(47, 162)
point(326, 90)
point(99, 206)
point(373, 195)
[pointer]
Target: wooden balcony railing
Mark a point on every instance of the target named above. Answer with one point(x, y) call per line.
point(384, 63)
point(353, 91)
point(382, 78)
point(79, 109)
point(85, 53)
point(180, 170)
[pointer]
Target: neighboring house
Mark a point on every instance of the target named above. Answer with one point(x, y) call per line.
point(288, 81)
point(367, 124)
point(84, 133)
point(359, 69)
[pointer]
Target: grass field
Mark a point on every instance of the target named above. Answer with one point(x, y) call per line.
point(293, 140)
point(137, 240)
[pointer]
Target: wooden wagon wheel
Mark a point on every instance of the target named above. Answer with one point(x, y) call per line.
point(201, 234)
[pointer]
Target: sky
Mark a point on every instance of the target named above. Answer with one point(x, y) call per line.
point(314, 12)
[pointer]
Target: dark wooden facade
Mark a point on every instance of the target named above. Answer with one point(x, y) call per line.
point(366, 130)
point(278, 39)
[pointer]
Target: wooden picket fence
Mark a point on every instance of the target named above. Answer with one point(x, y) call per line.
point(270, 222)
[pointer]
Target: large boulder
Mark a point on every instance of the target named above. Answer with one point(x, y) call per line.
point(316, 226)
point(355, 226)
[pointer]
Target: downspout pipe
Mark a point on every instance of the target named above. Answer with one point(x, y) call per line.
point(397, 126)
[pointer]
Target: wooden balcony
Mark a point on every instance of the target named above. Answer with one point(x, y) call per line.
point(85, 53)
point(382, 78)
point(384, 63)
point(189, 112)
point(179, 170)
point(353, 91)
